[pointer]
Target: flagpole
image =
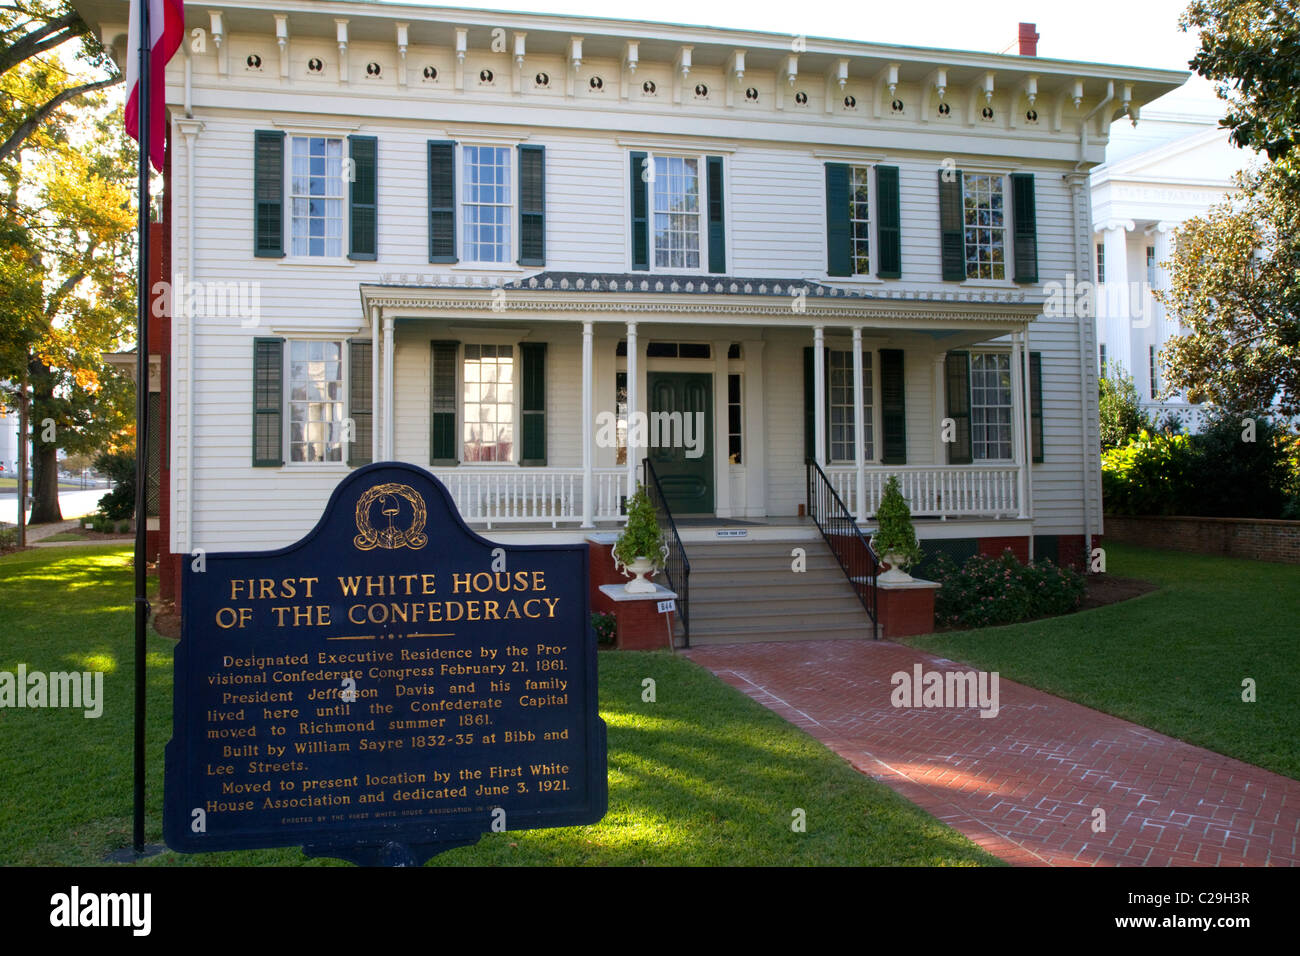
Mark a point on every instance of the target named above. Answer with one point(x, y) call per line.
point(144, 128)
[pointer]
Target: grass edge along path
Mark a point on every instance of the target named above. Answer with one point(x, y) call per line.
point(701, 776)
point(1172, 660)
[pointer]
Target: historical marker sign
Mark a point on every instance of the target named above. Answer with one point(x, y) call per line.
point(390, 686)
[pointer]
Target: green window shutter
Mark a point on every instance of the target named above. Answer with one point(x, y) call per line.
point(717, 226)
point(532, 403)
point(268, 402)
point(809, 406)
point(957, 387)
point(443, 446)
point(839, 237)
point(442, 201)
point(893, 408)
point(361, 397)
point(268, 194)
point(1024, 216)
point(532, 205)
point(640, 216)
point(1036, 405)
point(951, 226)
point(363, 198)
point(889, 232)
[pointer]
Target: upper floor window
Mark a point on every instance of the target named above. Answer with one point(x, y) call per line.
point(984, 212)
point(675, 199)
point(1101, 262)
point(316, 196)
point(487, 204)
point(860, 219)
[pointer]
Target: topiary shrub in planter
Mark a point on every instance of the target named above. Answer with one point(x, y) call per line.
point(986, 592)
point(640, 549)
point(895, 538)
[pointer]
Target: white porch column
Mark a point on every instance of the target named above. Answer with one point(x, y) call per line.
point(940, 406)
point(1119, 338)
point(388, 388)
point(1027, 502)
point(376, 409)
point(586, 425)
point(721, 451)
point(859, 427)
point(632, 374)
point(753, 435)
point(1018, 419)
point(819, 395)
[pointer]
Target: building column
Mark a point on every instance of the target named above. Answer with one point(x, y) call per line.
point(632, 431)
point(940, 405)
point(376, 409)
point(721, 453)
point(587, 424)
point(1116, 297)
point(819, 395)
point(753, 435)
point(388, 388)
point(859, 428)
point(1018, 429)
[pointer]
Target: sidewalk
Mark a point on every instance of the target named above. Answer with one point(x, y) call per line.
point(1025, 784)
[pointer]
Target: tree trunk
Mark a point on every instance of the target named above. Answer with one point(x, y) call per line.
point(45, 483)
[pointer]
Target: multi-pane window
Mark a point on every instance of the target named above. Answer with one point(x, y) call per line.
point(486, 203)
point(1101, 262)
point(985, 226)
point(990, 405)
point(859, 220)
point(489, 402)
point(1151, 266)
point(676, 232)
point(734, 443)
point(1101, 350)
point(1151, 357)
point(316, 196)
point(315, 401)
point(843, 410)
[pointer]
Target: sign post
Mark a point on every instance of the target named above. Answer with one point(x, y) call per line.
point(390, 687)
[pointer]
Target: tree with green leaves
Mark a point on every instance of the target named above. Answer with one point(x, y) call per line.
point(1233, 272)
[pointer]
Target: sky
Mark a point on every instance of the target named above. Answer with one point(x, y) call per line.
point(1125, 32)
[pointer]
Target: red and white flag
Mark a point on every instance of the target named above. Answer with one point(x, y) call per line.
point(166, 28)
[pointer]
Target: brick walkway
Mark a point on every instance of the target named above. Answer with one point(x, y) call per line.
point(1024, 784)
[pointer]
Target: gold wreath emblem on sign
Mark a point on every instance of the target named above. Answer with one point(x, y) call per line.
point(390, 537)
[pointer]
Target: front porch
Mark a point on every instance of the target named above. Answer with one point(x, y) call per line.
point(535, 403)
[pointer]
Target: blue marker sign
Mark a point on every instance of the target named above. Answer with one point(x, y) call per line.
point(391, 686)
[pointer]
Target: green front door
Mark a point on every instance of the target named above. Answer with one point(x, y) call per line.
point(681, 439)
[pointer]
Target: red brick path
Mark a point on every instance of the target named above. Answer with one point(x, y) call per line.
point(1024, 784)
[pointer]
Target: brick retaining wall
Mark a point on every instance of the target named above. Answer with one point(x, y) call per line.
point(1253, 538)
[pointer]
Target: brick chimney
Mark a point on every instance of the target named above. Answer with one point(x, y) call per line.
point(1028, 40)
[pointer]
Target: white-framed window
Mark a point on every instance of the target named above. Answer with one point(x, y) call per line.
point(735, 419)
point(1101, 262)
point(620, 417)
point(843, 410)
point(316, 400)
point(488, 403)
point(1151, 266)
point(677, 235)
point(985, 221)
point(860, 219)
point(990, 406)
point(1101, 359)
point(317, 205)
point(1155, 384)
point(487, 190)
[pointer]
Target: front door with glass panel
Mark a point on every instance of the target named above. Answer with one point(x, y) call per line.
point(681, 425)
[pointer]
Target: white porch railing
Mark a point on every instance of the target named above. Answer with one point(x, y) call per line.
point(517, 495)
point(1191, 417)
point(947, 491)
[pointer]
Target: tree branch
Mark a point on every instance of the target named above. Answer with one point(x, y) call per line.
point(30, 44)
point(28, 126)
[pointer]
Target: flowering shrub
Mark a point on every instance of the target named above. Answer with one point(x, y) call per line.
point(989, 591)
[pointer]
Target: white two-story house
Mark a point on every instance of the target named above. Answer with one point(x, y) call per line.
point(495, 244)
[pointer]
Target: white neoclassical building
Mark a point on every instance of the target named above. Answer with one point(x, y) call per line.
point(1172, 165)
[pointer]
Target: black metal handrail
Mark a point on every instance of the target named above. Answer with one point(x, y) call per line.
point(677, 567)
point(845, 539)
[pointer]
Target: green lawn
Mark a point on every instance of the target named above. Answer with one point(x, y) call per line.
point(705, 776)
point(1173, 660)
